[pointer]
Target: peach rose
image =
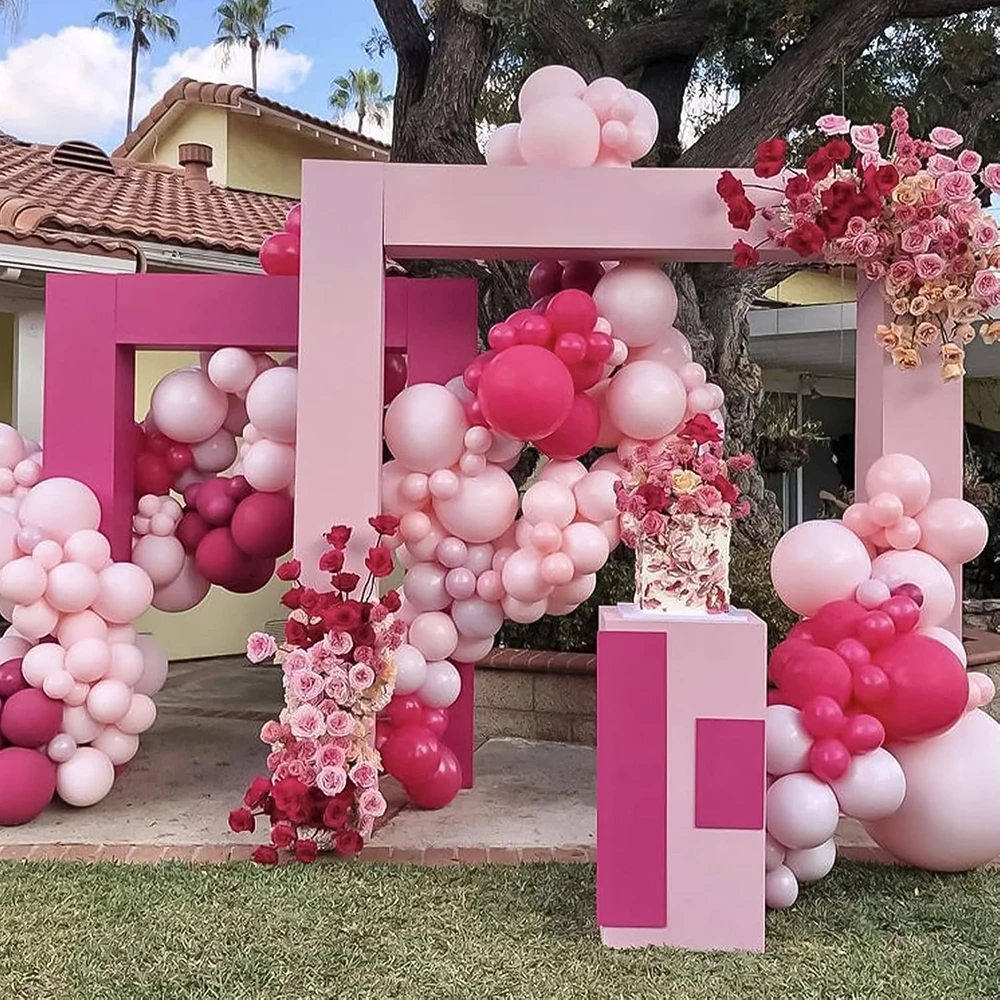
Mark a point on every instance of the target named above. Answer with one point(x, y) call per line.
point(685, 481)
point(926, 333)
point(965, 332)
point(906, 358)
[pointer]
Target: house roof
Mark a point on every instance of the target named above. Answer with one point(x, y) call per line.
point(48, 201)
point(235, 96)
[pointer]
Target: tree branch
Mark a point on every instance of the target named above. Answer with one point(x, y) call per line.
point(682, 32)
point(405, 27)
point(942, 8)
point(563, 33)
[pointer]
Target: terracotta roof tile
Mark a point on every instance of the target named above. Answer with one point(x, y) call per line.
point(230, 95)
point(75, 243)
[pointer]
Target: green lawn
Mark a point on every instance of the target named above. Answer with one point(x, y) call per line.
point(365, 932)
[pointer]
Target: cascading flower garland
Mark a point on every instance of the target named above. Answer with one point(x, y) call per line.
point(337, 661)
point(910, 219)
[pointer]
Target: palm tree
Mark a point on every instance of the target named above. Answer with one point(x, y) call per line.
point(244, 22)
point(144, 20)
point(361, 91)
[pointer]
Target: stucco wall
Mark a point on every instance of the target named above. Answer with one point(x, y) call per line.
point(195, 123)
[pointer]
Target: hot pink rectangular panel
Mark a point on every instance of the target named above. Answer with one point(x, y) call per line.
point(632, 779)
point(729, 774)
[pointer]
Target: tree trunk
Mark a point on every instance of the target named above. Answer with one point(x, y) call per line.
point(254, 49)
point(136, 28)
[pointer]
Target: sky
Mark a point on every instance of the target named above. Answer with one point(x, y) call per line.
point(63, 78)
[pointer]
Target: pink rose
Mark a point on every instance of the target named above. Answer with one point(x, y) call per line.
point(338, 643)
point(331, 755)
point(956, 186)
point(331, 780)
point(963, 212)
point(908, 166)
point(305, 685)
point(296, 660)
point(652, 523)
point(905, 214)
point(371, 802)
point(298, 769)
point(271, 732)
point(900, 120)
point(969, 161)
point(260, 647)
point(866, 245)
point(686, 504)
point(366, 824)
point(939, 164)
point(914, 240)
point(945, 138)
point(929, 266)
point(361, 677)
point(856, 226)
point(875, 270)
point(871, 159)
point(281, 771)
point(933, 198)
point(364, 654)
point(865, 138)
point(364, 775)
point(337, 688)
point(834, 125)
point(991, 176)
point(709, 499)
point(274, 759)
point(984, 236)
point(986, 287)
point(306, 749)
point(306, 722)
point(339, 724)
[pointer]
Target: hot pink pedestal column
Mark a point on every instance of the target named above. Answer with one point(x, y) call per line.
point(681, 780)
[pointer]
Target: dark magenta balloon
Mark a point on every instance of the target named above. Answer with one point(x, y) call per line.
point(27, 785)
point(583, 275)
point(30, 718)
point(259, 575)
point(545, 278)
point(214, 501)
point(412, 754)
point(221, 561)
point(441, 788)
point(191, 529)
point(262, 525)
point(152, 475)
point(393, 376)
point(238, 488)
point(11, 679)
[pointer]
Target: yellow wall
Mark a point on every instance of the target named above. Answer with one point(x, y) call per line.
point(6, 368)
point(813, 288)
point(190, 123)
point(220, 624)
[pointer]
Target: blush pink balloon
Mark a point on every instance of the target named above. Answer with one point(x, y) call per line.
point(557, 569)
point(595, 496)
point(82, 625)
point(460, 583)
point(74, 587)
point(186, 407)
point(47, 554)
point(484, 507)
point(608, 435)
point(567, 473)
point(639, 301)
point(885, 509)
point(89, 547)
point(42, 661)
point(951, 529)
point(108, 700)
point(185, 592)
point(549, 81)
point(522, 577)
point(425, 428)
point(88, 660)
point(125, 593)
point(232, 369)
point(22, 580)
point(477, 618)
point(701, 400)
point(587, 547)
point(545, 537)
point(425, 587)
point(646, 400)
point(574, 593)
point(603, 94)
point(434, 634)
point(86, 777)
point(934, 581)
point(858, 519)
point(524, 612)
point(269, 466)
point(271, 403)
point(59, 507)
point(35, 620)
point(489, 586)
point(216, 453)
point(119, 747)
point(904, 533)
point(559, 131)
point(903, 476)
point(503, 148)
point(549, 502)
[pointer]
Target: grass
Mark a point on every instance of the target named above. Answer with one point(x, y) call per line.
point(362, 932)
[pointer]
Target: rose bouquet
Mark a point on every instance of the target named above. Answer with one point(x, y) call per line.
point(905, 211)
point(677, 502)
point(337, 662)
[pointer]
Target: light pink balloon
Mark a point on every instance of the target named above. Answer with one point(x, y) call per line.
point(425, 588)
point(78, 696)
point(639, 301)
point(564, 473)
point(88, 660)
point(85, 778)
point(154, 671)
point(442, 685)
point(482, 510)
point(79, 724)
point(470, 650)
point(546, 538)
point(829, 544)
point(119, 634)
point(271, 403)
point(73, 586)
point(574, 593)
point(549, 502)
point(108, 700)
point(691, 374)
point(609, 463)
point(59, 507)
point(952, 530)
point(489, 586)
point(58, 684)
point(595, 496)
point(82, 625)
point(934, 581)
point(120, 747)
point(42, 661)
point(503, 148)
point(476, 618)
point(608, 434)
point(802, 811)
point(415, 489)
point(479, 558)
point(460, 583)
point(524, 612)
point(187, 407)
point(872, 593)
point(411, 669)
point(559, 132)
point(443, 484)
point(35, 620)
point(47, 553)
point(126, 592)
point(451, 552)
point(701, 400)
point(472, 465)
point(162, 558)
point(423, 548)
point(587, 546)
point(414, 526)
point(646, 400)
point(557, 569)
point(425, 428)
point(873, 786)
point(602, 95)
point(671, 348)
point(232, 369)
point(88, 547)
point(549, 81)
point(269, 466)
point(12, 448)
point(216, 453)
point(950, 818)
point(522, 577)
point(612, 531)
point(904, 534)
point(434, 634)
point(61, 748)
point(393, 501)
point(885, 509)
point(13, 647)
point(858, 519)
point(185, 592)
point(9, 528)
point(126, 663)
point(787, 743)
point(22, 581)
point(902, 475)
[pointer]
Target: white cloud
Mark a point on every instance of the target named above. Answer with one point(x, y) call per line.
point(381, 133)
point(75, 84)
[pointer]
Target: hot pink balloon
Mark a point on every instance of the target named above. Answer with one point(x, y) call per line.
point(425, 427)
point(934, 581)
point(952, 530)
point(559, 132)
point(903, 476)
point(503, 149)
point(639, 301)
point(646, 400)
point(578, 432)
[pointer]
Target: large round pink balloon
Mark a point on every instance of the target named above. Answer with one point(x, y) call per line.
point(434, 634)
point(72, 586)
point(85, 778)
point(161, 558)
point(483, 508)
point(9, 527)
point(232, 369)
point(638, 300)
point(934, 581)
point(502, 149)
point(952, 530)
point(125, 593)
point(817, 562)
point(186, 407)
point(185, 592)
point(950, 817)
point(549, 81)
point(268, 465)
point(425, 428)
point(272, 401)
point(59, 507)
point(646, 400)
point(560, 132)
point(671, 348)
point(903, 476)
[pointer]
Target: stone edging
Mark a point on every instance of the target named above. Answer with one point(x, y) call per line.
point(540, 661)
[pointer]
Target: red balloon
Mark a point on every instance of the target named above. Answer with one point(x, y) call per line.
point(442, 787)
point(582, 274)
point(27, 785)
point(829, 759)
point(152, 475)
point(526, 392)
point(279, 254)
point(30, 718)
point(823, 718)
point(535, 330)
point(835, 621)
point(238, 488)
point(293, 220)
point(814, 671)
point(928, 688)
point(545, 278)
point(578, 432)
point(393, 376)
point(220, 561)
point(179, 458)
point(405, 710)
point(11, 679)
point(572, 311)
point(412, 754)
point(586, 375)
point(436, 720)
point(214, 503)
point(191, 529)
point(862, 733)
point(262, 525)
point(157, 443)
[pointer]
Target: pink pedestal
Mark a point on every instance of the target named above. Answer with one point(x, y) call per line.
point(681, 781)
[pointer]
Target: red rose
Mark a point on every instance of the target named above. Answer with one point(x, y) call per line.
point(744, 255)
point(242, 821)
point(730, 494)
point(283, 835)
point(290, 570)
point(819, 165)
point(770, 157)
point(741, 213)
point(265, 855)
point(379, 561)
point(346, 582)
point(295, 632)
point(798, 186)
point(833, 224)
point(292, 598)
point(288, 793)
point(838, 150)
point(259, 790)
point(385, 524)
point(806, 239)
point(364, 635)
point(701, 429)
point(342, 617)
point(332, 561)
point(886, 178)
point(335, 815)
point(391, 602)
point(310, 600)
point(338, 536)
point(840, 194)
point(306, 851)
point(349, 842)
point(655, 497)
point(729, 187)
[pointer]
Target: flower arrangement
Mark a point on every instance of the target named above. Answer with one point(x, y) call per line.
point(908, 217)
point(676, 504)
point(323, 789)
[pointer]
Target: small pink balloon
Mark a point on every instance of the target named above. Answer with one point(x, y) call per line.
point(58, 684)
point(78, 696)
point(692, 375)
point(460, 583)
point(885, 509)
point(42, 661)
point(858, 518)
point(700, 400)
point(451, 552)
point(425, 587)
point(126, 592)
point(557, 569)
point(414, 526)
point(88, 547)
point(640, 303)
point(47, 553)
point(614, 134)
point(22, 581)
point(35, 620)
point(546, 538)
point(443, 484)
point(126, 663)
point(415, 488)
point(586, 546)
point(434, 634)
point(472, 465)
point(904, 534)
point(550, 502)
point(522, 577)
point(502, 149)
point(88, 660)
point(489, 586)
point(108, 701)
point(903, 476)
point(646, 400)
point(72, 587)
point(604, 94)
